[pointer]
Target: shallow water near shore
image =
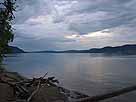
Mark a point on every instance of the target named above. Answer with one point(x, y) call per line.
point(92, 74)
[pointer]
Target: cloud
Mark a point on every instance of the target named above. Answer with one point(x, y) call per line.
point(68, 24)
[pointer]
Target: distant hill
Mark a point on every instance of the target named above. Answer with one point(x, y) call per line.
point(14, 49)
point(125, 49)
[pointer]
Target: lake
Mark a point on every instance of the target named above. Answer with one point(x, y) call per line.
point(91, 74)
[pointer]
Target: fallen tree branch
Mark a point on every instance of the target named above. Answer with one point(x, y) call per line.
point(37, 89)
point(6, 82)
point(107, 96)
point(34, 92)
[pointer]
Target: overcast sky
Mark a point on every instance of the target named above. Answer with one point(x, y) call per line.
point(74, 24)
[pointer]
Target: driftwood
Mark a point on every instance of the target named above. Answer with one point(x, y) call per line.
point(37, 89)
point(23, 93)
point(21, 89)
point(107, 95)
point(34, 92)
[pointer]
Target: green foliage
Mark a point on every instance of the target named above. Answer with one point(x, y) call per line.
point(7, 7)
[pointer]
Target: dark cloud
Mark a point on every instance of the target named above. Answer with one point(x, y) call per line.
point(122, 15)
point(47, 23)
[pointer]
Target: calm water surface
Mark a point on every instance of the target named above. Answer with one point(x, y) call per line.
point(87, 73)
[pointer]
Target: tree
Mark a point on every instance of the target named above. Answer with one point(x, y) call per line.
point(7, 7)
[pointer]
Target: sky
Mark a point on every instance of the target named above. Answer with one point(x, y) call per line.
point(74, 24)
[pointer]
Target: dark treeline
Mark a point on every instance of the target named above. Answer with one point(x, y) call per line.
point(7, 7)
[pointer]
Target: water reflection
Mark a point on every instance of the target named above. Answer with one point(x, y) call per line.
point(88, 73)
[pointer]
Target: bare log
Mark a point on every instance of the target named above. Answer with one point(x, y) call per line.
point(6, 82)
point(44, 75)
point(37, 89)
point(34, 92)
point(108, 95)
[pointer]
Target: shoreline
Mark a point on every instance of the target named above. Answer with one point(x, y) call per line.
point(47, 91)
point(17, 88)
